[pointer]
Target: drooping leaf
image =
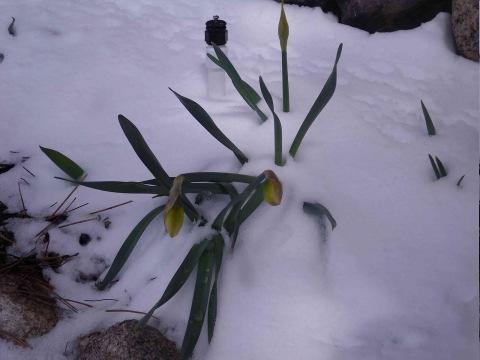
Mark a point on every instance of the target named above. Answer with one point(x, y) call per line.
point(127, 248)
point(239, 84)
point(434, 166)
point(206, 121)
point(146, 155)
point(125, 187)
point(322, 100)
point(277, 126)
point(217, 177)
point(240, 198)
point(180, 276)
point(428, 120)
point(218, 245)
point(206, 267)
point(319, 210)
point(67, 165)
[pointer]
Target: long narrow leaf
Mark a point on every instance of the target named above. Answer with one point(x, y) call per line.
point(428, 120)
point(441, 168)
point(218, 177)
point(67, 165)
point(218, 245)
point(180, 277)
point(277, 126)
point(206, 267)
point(319, 210)
point(206, 121)
point(143, 151)
point(243, 196)
point(238, 83)
point(126, 187)
point(322, 100)
point(127, 248)
point(434, 166)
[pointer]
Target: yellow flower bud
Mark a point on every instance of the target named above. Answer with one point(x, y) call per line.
point(272, 188)
point(283, 30)
point(173, 219)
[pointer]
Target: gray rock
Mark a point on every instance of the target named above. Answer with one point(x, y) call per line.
point(389, 15)
point(465, 27)
point(26, 306)
point(380, 15)
point(127, 341)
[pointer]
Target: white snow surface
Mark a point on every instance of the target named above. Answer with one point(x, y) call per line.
point(397, 278)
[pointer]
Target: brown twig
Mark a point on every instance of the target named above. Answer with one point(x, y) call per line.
point(21, 198)
point(78, 207)
point(31, 173)
point(19, 341)
point(95, 300)
point(131, 311)
point(77, 222)
point(71, 203)
point(111, 207)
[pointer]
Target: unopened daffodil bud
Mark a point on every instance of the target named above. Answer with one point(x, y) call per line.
point(272, 188)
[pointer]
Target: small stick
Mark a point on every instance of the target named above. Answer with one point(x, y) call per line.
point(77, 222)
point(21, 198)
point(78, 207)
point(19, 341)
point(26, 182)
point(68, 196)
point(71, 203)
point(111, 207)
point(31, 173)
point(55, 203)
point(78, 302)
point(131, 311)
point(94, 300)
point(64, 201)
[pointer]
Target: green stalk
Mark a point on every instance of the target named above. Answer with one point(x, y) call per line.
point(286, 94)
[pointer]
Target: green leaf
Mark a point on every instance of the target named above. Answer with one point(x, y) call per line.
point(206, 267)
point(67, 165)
point(285, 88)
point(244, 91)
point(322, 100)
point(277, 126)
point(125, 187)
point(218, 245)
point(217, 177)
point(142, 150)
point(441, 168)
point(240, 198)
point(434, 166)
point(127, 247)
point(180, 277)
point(428, 120)
point(319, 210)
point(206, 121)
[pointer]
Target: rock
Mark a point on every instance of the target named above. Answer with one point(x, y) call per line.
point(326, 5)
point(380, 15)
point(465, 27)
point(26, 306)
point(389, 15)
point(126, 341)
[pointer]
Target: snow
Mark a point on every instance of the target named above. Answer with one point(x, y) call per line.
point(397, 278)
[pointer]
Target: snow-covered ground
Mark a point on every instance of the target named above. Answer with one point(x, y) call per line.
point(397, 278)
